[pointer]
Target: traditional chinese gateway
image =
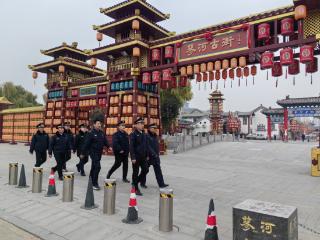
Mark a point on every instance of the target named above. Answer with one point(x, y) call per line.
point(145, 57)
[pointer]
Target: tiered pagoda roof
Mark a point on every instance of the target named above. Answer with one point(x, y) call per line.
point(117, 11)
point(295, 102)
point(68, 55)
point(5, 101)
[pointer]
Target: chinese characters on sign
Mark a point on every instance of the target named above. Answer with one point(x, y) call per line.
point(247, 224)
point(220, 43)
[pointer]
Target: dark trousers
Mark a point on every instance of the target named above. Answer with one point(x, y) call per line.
point(136, 177)
point(82, 162)
point(61, 160)
point(157, 172)
point(120, 159)
point(68, 157)
point(95, 168)
point(41, 158)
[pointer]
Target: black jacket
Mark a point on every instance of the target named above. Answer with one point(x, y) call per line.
point(39, 142)
point(79, 142)
point(153, 145)
point(94, 143)
point(71, 138)
point(120, 142)
point(138, 145)
point(59, 143)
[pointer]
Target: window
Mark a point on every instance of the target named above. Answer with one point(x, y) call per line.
point(245, 121)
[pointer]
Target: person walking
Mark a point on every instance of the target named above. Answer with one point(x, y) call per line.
point(138, 154)
point(69, 133)
point(59, 146)
point(78, 145)
point(40, 144)
point(154, 155)
point(120, 146)
point(94, 144)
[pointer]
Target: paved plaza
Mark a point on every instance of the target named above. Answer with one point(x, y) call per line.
point(229, 172)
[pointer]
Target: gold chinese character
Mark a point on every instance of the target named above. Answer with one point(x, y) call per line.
point(227, 41)
point(202, 47)
point(214, 44)
point(190, 49)
point(267, 227)
point(246, 224)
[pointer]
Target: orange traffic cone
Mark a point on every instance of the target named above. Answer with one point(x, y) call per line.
point(52, 186)
point(212, 230)
point(132, 216)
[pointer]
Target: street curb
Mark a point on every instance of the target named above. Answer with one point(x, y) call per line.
point(38, 232)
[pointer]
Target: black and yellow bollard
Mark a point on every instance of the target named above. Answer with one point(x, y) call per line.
point(315, 162)
point(37, 180)
point(13, 173)
point(109, 202)
point(166, 210)
point(68, 183)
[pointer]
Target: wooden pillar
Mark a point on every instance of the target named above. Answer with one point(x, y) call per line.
point(1, 127)
point(269, 127)
point(285, 124)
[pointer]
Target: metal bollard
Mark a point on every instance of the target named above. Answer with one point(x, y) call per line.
point(37, 180)
point(68, 182)
point(109, 202)
point(166, 210)
point(13, 173)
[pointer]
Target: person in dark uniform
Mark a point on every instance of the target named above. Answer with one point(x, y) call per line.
point(154, 155)
point(138, 154)
point(59, 145)
point(94, 143)
point(69, 133)
point(40, 144)
point(78, 145)
point(120, 146)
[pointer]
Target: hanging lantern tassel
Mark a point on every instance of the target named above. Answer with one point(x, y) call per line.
point(286, 73)
point(311, 79)
point(246, 82)
point(239, 82)
point(217, 86)
point(253, 80)
point(224, 83)
point(294, 80)
point(267, 75)
point(231, 82)
point(211, 84)
point(277, 82)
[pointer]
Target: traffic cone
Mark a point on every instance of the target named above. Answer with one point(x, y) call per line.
point(52, 186)
point(22, 180)
point(89, 202)
point(132, 216)
point(212, 230)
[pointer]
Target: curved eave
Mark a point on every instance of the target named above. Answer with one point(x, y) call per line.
point(155, 13)
point(103, 52)
point(23, 110)
point(52, 52)
point(44, 67)
point(110, 29)
point(299, 102)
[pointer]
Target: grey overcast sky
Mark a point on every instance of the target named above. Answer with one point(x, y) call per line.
point(27, 26)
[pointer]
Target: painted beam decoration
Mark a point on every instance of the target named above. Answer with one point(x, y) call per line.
point(304, 112)
point(210, 46)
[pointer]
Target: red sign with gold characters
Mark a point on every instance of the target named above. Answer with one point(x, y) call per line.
point(226, 42)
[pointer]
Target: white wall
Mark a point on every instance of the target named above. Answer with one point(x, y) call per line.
point(258, 119)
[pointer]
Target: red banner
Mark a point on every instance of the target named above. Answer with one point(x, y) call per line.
point(219, 44)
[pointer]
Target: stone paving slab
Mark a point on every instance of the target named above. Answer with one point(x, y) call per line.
point(229, 172)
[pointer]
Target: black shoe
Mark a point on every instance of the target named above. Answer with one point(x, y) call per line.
point(164, 186)
point(144, 186)
point(61, 178)
point(138, 192)
point(108, 176)
point(83, 174)
point(78, 168)
point(96, 187)
point(125, 181)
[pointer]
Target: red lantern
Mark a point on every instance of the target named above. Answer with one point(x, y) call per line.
point(99, 36)
point(156, 76)
point(224, 74)
point(286, 56)
point(166, 75)
point(155, 55)
point(218, 75)
point(211, 76)
point(267, 60)
point(146, 78)
point(183, 82)
point(239, 72)
point(34, 75)
point(264, 31)
point(168, 52)
point(294, 68)
point(287, 26)
point(253, 72)
point(312, 66)
point(306, 54)
point(231, 73)
point(277, 69)
point(174, 82)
